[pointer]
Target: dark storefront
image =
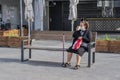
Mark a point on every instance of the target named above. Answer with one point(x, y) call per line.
point(59, 11)
point(92, 10)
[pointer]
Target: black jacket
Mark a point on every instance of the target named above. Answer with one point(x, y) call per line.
point(86, 36)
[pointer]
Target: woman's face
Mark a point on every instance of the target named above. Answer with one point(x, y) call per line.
point(82, 26)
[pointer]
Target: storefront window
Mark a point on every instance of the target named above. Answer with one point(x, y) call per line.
point(108, 8)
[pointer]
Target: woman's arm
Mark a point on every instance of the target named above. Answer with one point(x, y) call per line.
point(75, 34)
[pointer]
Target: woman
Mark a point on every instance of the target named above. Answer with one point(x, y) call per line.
point(83, 33)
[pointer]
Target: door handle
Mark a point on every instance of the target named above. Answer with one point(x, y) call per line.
point(50, 19)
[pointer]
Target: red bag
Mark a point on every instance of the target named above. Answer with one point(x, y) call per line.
point(77, 44)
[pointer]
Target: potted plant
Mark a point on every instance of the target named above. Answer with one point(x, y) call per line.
point(108, 45)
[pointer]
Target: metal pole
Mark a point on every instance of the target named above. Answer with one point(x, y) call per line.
point(21, 23)
point(22, 51)
point(21, 17)
point(63, 49)
point(29, 26)
point(89, 56)
point(72, 23)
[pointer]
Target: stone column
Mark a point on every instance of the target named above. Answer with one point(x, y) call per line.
point(38, 9)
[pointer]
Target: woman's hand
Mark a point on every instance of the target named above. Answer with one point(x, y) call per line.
point(79, 37)
point(77, 28)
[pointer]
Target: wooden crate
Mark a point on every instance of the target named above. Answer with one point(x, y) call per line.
point(9, 33)
point(102, 46)
point(114, 49)
point(15, 41)
point(114, 46)
point(1, 33)
point(3, 41)
point(102, 49)
point(102, 42)
point(14, 44)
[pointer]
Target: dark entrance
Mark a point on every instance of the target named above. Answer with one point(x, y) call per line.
point(59, 12)
point(55, 15)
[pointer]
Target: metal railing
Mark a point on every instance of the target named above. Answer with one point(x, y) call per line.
point(104, 24)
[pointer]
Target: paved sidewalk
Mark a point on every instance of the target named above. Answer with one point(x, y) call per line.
point(46, 65)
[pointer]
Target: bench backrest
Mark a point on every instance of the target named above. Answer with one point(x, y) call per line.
point(69, 37)
point(94, 36)
point(56, 35)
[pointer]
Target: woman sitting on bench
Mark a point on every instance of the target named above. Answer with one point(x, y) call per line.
point(82, 33)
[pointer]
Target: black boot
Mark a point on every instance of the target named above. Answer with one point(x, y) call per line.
point(77, 67)
point(66, 65)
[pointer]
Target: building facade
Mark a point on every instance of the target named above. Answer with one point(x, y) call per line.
point(106, 10)
point(54, 15)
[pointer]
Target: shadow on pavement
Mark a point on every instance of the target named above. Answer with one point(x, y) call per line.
point(32, 62)
point(35, 62)
point(9, 60)
point(44, 63)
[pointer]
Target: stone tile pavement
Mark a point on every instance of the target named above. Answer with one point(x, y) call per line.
point(46, 65)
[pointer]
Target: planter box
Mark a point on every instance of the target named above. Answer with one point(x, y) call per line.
point(13, 32)
point(1, 32)
point(114, 46)
point(15, 41)
point(102, 46)
point(3, 41)
point(11, 41)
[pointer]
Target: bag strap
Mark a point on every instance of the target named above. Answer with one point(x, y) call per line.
point(85, 33)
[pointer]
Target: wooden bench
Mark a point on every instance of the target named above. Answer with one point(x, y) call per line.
point(63, 49)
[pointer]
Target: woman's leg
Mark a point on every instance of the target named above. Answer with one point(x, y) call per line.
point(77, 66)
point(80, 52)
point(69, 57)
point(78, 57)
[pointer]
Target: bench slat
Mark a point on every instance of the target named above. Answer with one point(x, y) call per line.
point(44, 48)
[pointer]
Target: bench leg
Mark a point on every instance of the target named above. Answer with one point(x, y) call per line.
point(30, 53)
point(63, 62)
point(30, 50)
point(93, 57)
point(89, 58)
point(22, 52)
point(22, 55)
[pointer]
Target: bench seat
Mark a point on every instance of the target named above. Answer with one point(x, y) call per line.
point(45, 48)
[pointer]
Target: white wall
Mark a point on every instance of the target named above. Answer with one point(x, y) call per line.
point(117, 3)
point(11, 6)
point(38, 8)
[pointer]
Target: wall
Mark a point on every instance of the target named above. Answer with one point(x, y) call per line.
point(11, 7)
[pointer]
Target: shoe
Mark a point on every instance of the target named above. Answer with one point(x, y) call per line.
point(66, 65)
point(77, 67)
